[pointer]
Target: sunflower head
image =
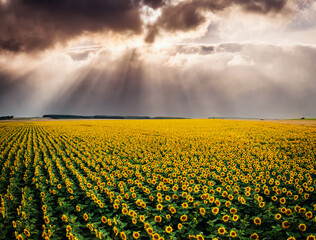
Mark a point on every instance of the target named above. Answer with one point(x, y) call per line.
point(254, 236)
point(257, 221)
point(278, 216)
point(199, 237)
point(302, 227)
point(233, 234)
point(221, 230)
point(169, 229)
point(311, 237)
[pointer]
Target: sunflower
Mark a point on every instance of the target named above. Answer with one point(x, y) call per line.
point(285, 224)
point(228, 203)
point(302, 227)
point(68, 228)
point(150, 231)
point(173, 210)
point(288, 212)
point(278, 216)
point(159, 207)
point(184, 218)
point(309, 215)
point(311, 237)
point(202, 211)
point(235, 218)
point(221, 231)
point(64, 218)
point(19, 237)
point(254, 236)
point(257, 221)
point(26, 232)
point(199, 237)
point(179, 226)
point(146, 225)
point(233, 234)
point(91, 228)
point(142, 218)
point(233, 211)
point(46, 220)
point(169, 229)
point(302, 210)
point(262, 204)
point(225, 218)
point(191, 237)
point(291, 238)
point(123, 235)
point(215, 210)
point(156, 236)
point(158, 218)
point(282, 200)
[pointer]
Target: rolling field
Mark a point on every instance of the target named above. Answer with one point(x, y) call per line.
point(157, 179)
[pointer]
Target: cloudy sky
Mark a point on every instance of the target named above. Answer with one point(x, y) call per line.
point(189, 58)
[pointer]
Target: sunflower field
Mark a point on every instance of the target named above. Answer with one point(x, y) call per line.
point(157, 179)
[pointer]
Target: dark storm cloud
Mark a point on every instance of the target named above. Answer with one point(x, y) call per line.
point(154, 3)
point(28, 25)
point(33, 25)
point(189, 14)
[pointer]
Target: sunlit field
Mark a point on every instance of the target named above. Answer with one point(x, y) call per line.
point(157, 179)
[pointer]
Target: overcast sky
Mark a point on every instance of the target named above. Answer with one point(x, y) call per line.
point(189, 58)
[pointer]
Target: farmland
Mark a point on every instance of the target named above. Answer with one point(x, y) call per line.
point(157, 179)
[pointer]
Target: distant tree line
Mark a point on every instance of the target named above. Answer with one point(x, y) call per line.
point(62, 116)
point(67, 116)
point(6, 117)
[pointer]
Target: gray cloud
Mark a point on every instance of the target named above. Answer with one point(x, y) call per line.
point(30, 25)
point(188, 15)
point(35, 25)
